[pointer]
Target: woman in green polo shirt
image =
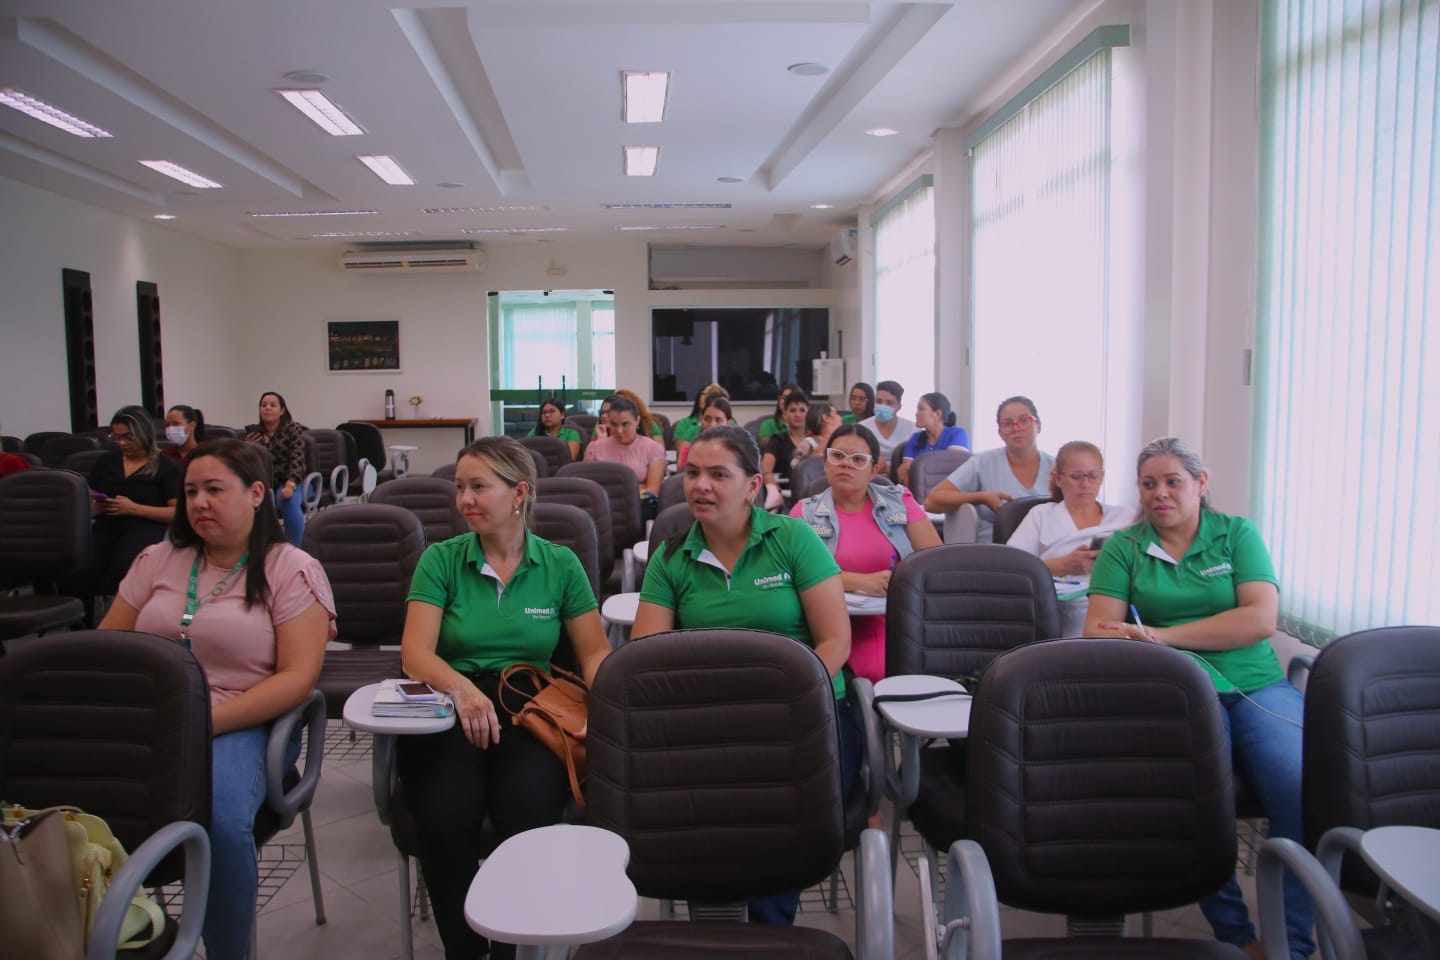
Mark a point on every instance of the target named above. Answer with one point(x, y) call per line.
point(552, 424)
point(479, 603)
point(739, 566)
point(1202, 582)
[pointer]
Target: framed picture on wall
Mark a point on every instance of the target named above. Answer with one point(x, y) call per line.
point(360, 346)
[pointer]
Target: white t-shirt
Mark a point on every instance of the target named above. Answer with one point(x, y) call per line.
point(1048, 531)
point(903, 429)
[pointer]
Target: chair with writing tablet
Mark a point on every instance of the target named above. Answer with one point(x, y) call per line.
point(1009, 517)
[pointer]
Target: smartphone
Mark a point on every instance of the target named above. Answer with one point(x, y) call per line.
point(1097, 542)
point(97, 495)
point(411, 690)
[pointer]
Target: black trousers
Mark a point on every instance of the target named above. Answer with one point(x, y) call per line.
point(453, 787)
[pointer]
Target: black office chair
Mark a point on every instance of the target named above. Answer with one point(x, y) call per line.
point(754, 426)
point(370, 447)
point(591, 498)
point(571, 527)
point(44, 537)
point(1009, 517)
point(446, 471)
point(369, 552)
point(83, 461)
point(714, 754)
point(583, 424)
point(807, 478)
point(215, 431)
point(672, 491)
point(35, 441)
point(326, 466)
point(117, 724)
point(53, 452)
point(554, 451)
point(621, 487)
point(429, 498)
point(933, 466)
point(9, 444)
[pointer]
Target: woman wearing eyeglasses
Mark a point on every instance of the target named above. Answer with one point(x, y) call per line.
point(989, 479)
point(1066, 535)
point(868, 527)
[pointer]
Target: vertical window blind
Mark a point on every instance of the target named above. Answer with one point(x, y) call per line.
point(1347, 439)
point(538, 340)
point(905, 292)
point(1040, 245)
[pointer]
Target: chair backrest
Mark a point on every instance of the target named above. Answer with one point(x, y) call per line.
point(1098, 779)
point(54, 451)
point(931, 467)
point(1372, 732)
point(446, 471)
point(669, 522)
point(264, 452)
point(368, 442)
point(954, 608)
point(754, 426)
point(215, 431)
point(35, 441)
point(431, 499)
point(369, 552)
point(623, 490)
point(330, 451)
point(583, 424)
point(672, 491)
point(542, 466)
point(9, 444)
point(44, 524)
point(592, 499)
point(1009, 517)
point(714, 754)
point(807, 478)
point(555, 451)
point(82, 461)
point(113, 722)
point(571, 527)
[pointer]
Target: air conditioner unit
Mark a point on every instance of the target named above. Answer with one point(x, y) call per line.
point(429, 258)
point(842, 247)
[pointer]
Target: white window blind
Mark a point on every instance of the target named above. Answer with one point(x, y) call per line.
point(905, 293)
point(1040, 248)
point(1347, 439)
point(537, 340)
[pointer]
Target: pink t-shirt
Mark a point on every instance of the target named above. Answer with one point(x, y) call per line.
point(637, 456)
point(862, 548)
point(235, 646)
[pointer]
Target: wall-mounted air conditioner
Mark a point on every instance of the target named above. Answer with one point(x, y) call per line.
point(410, 260)
point(842, 247)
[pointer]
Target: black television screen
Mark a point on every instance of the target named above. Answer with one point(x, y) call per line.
point(750, 351)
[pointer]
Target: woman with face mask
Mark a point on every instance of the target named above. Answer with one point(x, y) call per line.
point(184, 427)
point(891, 429)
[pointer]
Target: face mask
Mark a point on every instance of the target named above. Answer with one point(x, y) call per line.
point(175, 435)
point(884, 414)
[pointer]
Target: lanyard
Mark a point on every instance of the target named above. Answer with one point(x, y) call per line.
point(192, 601)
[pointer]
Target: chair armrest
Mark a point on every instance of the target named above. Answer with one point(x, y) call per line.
point(128, 880)
point(340, 482)
point(962, 525)
point(1299, 669)
point(310, 491)
point(287, 805)
point(875, 740)
point(1339, 934)
point(876, 907)
point(627, 572)
point(972, 911)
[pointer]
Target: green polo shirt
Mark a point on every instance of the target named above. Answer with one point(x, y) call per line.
point(568, 434)
point(768, 428)
point(782, 558)
point(487, 627)
point(1227, 552)
point(686, 429)
point(849, 418)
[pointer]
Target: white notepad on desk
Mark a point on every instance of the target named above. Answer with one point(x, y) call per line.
point(389, 703)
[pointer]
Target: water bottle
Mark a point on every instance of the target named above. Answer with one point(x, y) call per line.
point(389, 404)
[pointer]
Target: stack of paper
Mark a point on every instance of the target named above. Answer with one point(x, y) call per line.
point(389, 703)
point(1071, 588)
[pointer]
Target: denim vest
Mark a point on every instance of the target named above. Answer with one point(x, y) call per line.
point(889, 504)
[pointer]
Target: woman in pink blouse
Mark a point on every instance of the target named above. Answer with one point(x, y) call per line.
point(257, 612)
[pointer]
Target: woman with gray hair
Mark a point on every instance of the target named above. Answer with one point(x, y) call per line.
point(1202, 582)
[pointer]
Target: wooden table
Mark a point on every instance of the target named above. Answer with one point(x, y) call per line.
point(466, 425)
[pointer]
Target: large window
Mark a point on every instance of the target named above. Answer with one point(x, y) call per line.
point(1347, 437)
point(1041, 255)
point(905, 290)
point(552, 334)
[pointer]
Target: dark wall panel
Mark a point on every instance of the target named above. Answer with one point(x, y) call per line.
point(80, 350)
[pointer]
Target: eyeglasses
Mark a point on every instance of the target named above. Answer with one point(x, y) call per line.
point(120, 437)
point(1093, 476)
point(1019, 423)
point(839, 458)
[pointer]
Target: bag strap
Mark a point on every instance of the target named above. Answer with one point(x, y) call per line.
point(150, 917)
point(569, 757)
point(538, 677)
point(912, 697)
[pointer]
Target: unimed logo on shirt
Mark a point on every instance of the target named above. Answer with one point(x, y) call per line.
point(1220, 569)
point(541, 613)
point(770, 583)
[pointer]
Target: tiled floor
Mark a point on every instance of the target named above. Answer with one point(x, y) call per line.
point(359, 878)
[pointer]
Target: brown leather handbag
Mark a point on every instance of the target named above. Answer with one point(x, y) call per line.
point(555, 715)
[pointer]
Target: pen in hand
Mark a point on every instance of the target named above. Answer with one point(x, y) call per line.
point(1144, 634)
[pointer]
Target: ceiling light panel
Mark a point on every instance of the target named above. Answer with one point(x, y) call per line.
point(477, 230)
point(176, 172)
point(363, 234)
point(643, 95)
point(641, 161)
point(324, 112)
point(674, 226)
point(514, 208)
point(47, 113)
point(315, 213)
point(385, 167)
point(666, 206)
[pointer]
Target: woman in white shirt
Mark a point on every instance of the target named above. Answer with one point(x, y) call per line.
point(1067, 533)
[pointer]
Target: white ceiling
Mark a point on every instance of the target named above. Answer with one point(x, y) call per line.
point(518, 100)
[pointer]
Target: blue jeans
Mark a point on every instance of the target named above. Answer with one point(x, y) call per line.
point(238, 789)
point(779, 909)
point(1266, 751)
point(292, 512)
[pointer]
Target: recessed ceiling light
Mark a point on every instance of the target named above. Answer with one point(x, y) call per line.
point(46, 113)
point(822, 206)
point(673, 226)
point(307, 77)
point(666, 206)
point(324, 112)
point(475, 230)
point(513, 208)
point(449, 185)
point(641, 161)
point(177, 172)
point(315, 213)
point(163, 216)
point(373, 234)
point(881, 132)
point(643, 94)
point(385, 167)
point(808, 69)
